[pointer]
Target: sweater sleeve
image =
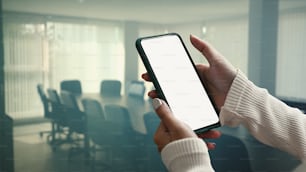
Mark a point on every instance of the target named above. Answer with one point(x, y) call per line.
point(186, 155)
point(268, 119)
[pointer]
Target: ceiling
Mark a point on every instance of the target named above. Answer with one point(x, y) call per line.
point(153, 11)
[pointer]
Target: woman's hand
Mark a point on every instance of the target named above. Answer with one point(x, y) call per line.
point(217, 76)
point(172, 129)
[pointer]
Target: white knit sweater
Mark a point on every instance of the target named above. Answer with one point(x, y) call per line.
point(268, 119)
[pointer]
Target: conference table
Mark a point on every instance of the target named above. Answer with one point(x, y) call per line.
point(136, 106)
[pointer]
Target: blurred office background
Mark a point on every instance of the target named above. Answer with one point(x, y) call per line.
point(47, 42)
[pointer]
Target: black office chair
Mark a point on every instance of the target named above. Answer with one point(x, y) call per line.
point(131, 147)
point(61, 119)
point(119, 115)
point(47, 113)
point(110, 88)
point(76, 122)
point(75, 117)
point(136, 89)
point(230, 154)
point(98, 130)
point(154, 162)
point(151, 121)
point(57, 107)
point(73, 86)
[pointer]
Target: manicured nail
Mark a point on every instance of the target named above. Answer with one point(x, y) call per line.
point(192, 35)
point(156, 102)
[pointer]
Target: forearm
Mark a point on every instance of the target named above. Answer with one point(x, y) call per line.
point(187, 155)
point(267, 118)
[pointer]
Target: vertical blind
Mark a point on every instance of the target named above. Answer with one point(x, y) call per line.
point(86, 51)
point(291, 51)
point(23, 64)
point(230, 37)
point(45, 50)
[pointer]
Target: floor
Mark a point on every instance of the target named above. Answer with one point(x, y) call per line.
point(32, 153)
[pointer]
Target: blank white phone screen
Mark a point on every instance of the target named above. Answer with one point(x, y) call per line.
point(179, 81)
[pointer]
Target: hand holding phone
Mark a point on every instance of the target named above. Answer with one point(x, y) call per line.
point(176, 80)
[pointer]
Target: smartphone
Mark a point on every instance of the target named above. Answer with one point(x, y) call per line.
point(176, 80)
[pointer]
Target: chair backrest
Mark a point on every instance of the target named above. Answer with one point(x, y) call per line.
point(73, 86)
point(40, 90)
point(53, 95)
point(76, 119)
point(54, 99)
point(69, 100)
point(102, 130)
point(44, 99)
point(57, 107)
point(151, 121)
point(119, 115)
point(95, 120)
point(111, 88)
point(136, 89)
point(93, 109)
point(230, 154)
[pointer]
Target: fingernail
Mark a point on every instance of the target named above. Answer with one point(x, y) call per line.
point(192, 35)
point(156, 102)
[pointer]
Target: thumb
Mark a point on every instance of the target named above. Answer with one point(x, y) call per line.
point(164, 113)
point(209, 52)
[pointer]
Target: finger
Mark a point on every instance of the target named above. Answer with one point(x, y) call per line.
point(203, 70)
point(160, 148)
point(211, 145)
point(146, 77)
point(207, 50)
point(153, 94)
point(165, 114)
point(211, 134)
point(159, 136)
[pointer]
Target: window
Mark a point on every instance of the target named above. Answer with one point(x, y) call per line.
point(291, 55)
point(47, 50)
point(24, 64)
point(86, 51)
point(230, 37)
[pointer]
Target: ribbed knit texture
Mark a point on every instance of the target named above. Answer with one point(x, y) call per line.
point(186, 155)
point(267, 118)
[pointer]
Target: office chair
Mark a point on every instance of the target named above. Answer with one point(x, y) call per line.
point(57, 107)
point(154, 162)
point(131, 147)
point(110, 88)
point(75, 117)
point(60, 115)
point(151, 121)
point(76, 122)
point(47, 113)
point(97, 130)
point(230, 154)
point(136, 89)
point(73, 86)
